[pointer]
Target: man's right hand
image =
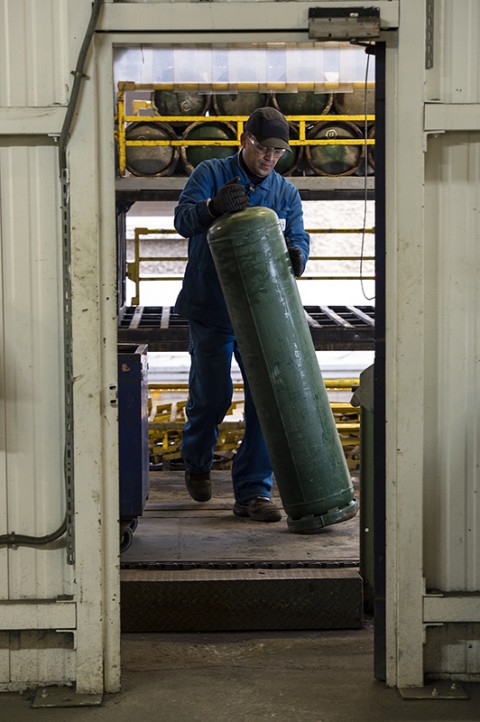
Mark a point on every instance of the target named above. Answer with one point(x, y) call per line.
point(230, 198)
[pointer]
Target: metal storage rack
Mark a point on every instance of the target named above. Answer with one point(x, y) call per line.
point(332, 327)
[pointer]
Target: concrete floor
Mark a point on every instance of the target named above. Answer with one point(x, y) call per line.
point(286, 676)
point(251, 677)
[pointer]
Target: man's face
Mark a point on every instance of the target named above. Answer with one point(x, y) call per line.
point(258, 159)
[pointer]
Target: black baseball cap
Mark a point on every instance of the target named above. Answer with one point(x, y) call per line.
point(269, 127)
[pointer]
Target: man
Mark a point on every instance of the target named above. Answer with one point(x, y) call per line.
point(216, 187)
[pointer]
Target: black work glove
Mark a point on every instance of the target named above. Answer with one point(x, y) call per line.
point(296, 259)
point(230, 198)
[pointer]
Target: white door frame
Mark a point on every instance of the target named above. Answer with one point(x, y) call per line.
point(127, 23)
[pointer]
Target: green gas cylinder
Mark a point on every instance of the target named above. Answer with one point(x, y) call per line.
point(265, 308)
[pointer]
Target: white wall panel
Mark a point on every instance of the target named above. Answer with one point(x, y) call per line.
point(32, 359)
point(222, 15)
point(453, 649)
point(452, 392)
point(454, 77)
point(41, 655)
point(452, 330)
point(33, 52)
point(31, 403)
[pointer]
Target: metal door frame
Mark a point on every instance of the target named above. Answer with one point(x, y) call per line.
point(126, 24)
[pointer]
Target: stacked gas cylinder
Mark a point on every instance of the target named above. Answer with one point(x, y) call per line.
point(334, 159)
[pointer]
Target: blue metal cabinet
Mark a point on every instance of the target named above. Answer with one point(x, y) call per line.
point(133, 436)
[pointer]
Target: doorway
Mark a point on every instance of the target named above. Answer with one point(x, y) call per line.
point(293, 554)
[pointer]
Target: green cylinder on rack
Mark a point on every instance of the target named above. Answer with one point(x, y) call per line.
point(267, 315)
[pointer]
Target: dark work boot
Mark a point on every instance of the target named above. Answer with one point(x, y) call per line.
point(261, 508)
point(199, 486)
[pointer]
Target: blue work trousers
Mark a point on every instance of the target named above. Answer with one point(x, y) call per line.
point(210, 396)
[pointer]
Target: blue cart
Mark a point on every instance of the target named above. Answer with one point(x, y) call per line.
point(133, 437)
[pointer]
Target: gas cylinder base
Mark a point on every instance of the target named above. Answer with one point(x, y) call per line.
point(312, 524)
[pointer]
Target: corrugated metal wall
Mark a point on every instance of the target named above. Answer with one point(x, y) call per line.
point(452, 389)
point(433, 228)
point(34, 75)
point(456, 52)
point(31, 393)
point(34, 42)
point(452, 474)
point(32, 359)
point(452, 337)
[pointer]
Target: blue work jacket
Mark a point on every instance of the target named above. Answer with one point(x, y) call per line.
point(201, 297)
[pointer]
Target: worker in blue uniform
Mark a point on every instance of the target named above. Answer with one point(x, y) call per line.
point(216, 187)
